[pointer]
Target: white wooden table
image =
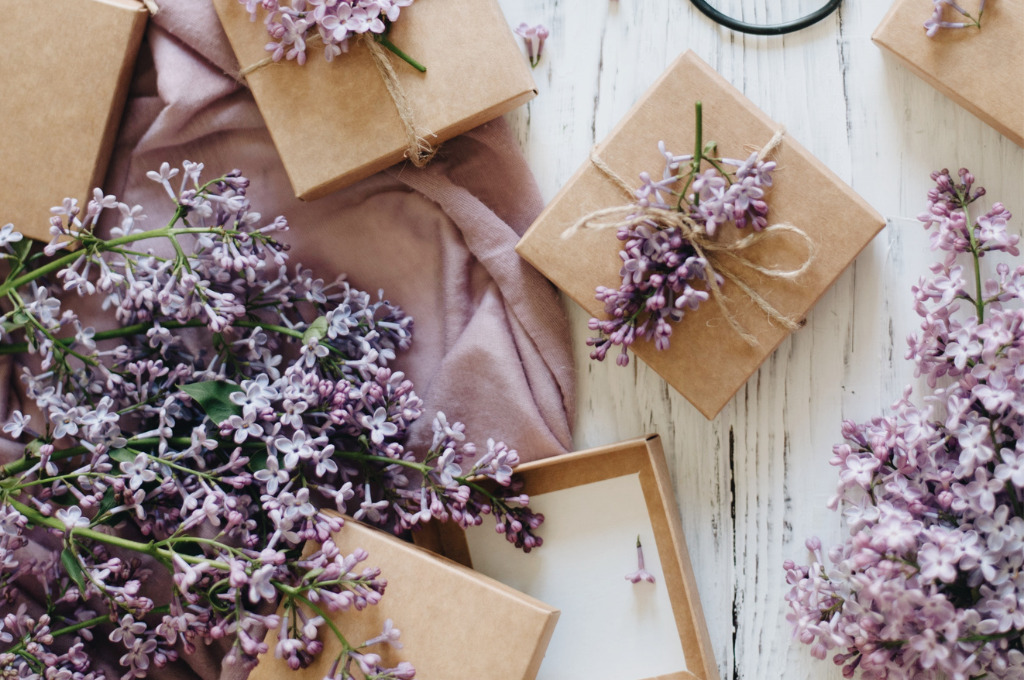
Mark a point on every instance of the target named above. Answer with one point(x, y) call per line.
point(753, 483)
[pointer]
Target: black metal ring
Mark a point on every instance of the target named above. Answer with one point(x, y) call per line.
point(775, 29)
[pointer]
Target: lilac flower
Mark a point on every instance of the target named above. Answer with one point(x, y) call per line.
point(641, 574)
point(378, 425)
point(137, 471)
point(72, 517)
point(292, 25)
point(19, 421)
point(927, 583)
point(9, 235)
point(534, 37)
point(662, 275)
point(214, 460)
point(936, 21)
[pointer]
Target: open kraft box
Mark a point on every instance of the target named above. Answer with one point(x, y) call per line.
point(61, 100)
point(707, 361)
point(334, 123)
point(439, 606)
point(980, 69)
point(596, 504)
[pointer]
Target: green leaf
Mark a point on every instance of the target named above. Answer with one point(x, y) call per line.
point(73, 567)
point(109, 500)
point(15, 322)
point(22, 248)
point(214, 397)
point(122, 455)
point(316, 330)
point(258, 459)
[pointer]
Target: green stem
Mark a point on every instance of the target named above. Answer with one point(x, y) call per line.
point(145, 548)
point(383, 40)
point(89, 623)
point(698, 155)
point(698, 147)
point(294, 594)
point(381, 460)
point(25, 463)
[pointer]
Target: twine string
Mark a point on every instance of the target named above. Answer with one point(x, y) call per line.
point(713, 252)
point(418, 150)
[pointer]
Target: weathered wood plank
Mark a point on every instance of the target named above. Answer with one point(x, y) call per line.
point(754, 483)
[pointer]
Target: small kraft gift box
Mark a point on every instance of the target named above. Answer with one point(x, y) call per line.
point(602, 509)
point(61, 100)
point(823, 226)
point(455, 623)
point(982, 69)
point(334, 123)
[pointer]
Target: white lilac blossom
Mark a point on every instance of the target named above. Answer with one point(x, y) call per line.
point(937, 19)
point(663, 275)
point(232, 405)
point(930, 581)
point(293, 25)
point(533, 37)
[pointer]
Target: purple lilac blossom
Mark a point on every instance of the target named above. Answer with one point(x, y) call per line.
point(641, 573)
point(292, 25)
point(662, 274)
point(533, 37)
point(930, 581)
point(937, 21)
point(242, 399)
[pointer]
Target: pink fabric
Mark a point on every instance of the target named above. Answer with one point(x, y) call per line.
point(490, 343)
point(490, 346)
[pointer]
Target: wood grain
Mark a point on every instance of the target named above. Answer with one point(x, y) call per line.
point(754, 483)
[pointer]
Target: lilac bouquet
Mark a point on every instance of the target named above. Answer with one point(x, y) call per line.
point(663, 274)
point(937, 20)
point(931, 579)
point(293, 25)
point(201, 438)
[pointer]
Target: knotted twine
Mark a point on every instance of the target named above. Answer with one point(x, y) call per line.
point(418, 150)
point(713, 252)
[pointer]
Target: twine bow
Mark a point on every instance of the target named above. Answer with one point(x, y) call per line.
point(710, 250)
point(418, 150)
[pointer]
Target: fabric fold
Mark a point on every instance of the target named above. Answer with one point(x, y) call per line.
point(491, 344)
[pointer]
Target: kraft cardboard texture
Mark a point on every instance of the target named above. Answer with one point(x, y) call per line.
point(335, 123)
point(644, 457)
point(980, 69)
point(456, 624)
point(61, 100)
point(707, 361)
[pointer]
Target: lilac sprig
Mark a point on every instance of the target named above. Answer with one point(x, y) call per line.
point(211, 432)
point(937, 21)
point(929, 581)
point(663, 275)
point(296, 24)
point(533, 37)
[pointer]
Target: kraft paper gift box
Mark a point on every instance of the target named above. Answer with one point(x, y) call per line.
point(61, 99)
point(455, 623)
point(980, 69)
point(596, 504)
point(335, 123)
point(708, 361)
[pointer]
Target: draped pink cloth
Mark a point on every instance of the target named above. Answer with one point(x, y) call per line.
point(490, 344)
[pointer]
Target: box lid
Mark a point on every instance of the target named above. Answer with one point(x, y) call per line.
point(707, 360)
point(595, 503)
point(61, 102)
point(335, 123)
point(456, 624)
point(980, 69)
